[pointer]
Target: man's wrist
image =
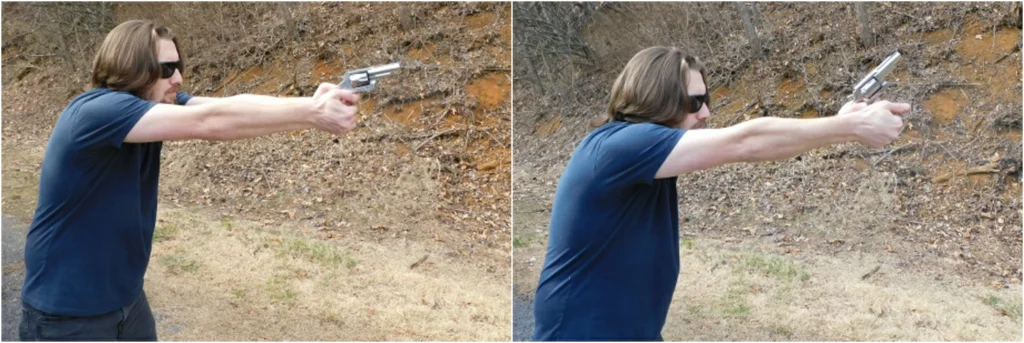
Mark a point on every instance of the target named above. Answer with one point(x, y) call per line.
point(307, 109)
point(847, 125)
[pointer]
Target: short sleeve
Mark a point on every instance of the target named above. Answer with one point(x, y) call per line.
point(183, 98)
point(106, 120)
point(634, 154)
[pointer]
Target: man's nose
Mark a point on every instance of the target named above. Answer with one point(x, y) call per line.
point(177, 78)
point(704, 113)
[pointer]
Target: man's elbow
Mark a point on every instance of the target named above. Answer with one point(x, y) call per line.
point(206, 127)
point(745, 147)
point(209, 130)
point(751, 152)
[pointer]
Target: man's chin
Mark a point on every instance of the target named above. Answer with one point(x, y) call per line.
point(170, 99)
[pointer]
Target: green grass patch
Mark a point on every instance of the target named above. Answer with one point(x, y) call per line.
point(734, 302)
point(165, 232)
point(284, 294)
point(1009, 309)
point(526, 240)
point(177, 265)
point(225, 223)
point(518, 242)
point(693, 309)
point(687, 243)
point(1013, 310)
point(316, 251)
point(991, 300)
point(780, 330)
point(331, 317)
point(775, 267)
point(327, 279)
point(278, 287)
point(738, 309)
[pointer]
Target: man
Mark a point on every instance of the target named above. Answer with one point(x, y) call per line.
point(90, 239)
point(613, 251)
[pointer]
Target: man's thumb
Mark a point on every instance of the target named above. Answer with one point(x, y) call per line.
point(857, 106)
point(348, 96)
point(324, 88)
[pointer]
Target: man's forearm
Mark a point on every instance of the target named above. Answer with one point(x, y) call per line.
point(231, 118)
point(769, 139)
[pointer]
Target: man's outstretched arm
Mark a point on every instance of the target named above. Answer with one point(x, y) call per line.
point(330, 109)
point(247, 98)
point(769, 139)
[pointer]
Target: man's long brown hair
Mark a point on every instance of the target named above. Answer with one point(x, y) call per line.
point(652, 88)
point(127, 60)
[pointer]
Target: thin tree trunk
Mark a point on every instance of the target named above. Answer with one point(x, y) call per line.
point(536, 77)
point(748, 24)
point(866, 36)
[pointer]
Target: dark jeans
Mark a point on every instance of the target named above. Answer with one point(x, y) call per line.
point(130, 323)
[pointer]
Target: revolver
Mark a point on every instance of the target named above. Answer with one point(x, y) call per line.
point(364, 80)
point(871, 86)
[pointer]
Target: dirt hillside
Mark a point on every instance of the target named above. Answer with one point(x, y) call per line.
point(399, 230)
point(894, 242)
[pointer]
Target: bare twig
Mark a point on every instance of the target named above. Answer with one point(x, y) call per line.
point(428, 140)
point(417, 263)
point(872, 272)
point(14, 39)
point(890, 151)
point(992, 167)
point(909, 221)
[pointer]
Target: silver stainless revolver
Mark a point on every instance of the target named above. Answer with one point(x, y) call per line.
point(869, 88)
point(364, 80)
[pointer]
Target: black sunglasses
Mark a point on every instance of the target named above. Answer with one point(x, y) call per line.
point(167, 69)
point(698, 101)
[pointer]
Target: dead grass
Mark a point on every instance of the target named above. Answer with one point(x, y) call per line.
point(229, 279)
point(21, 164)
point(737, 291)
point(755, 290)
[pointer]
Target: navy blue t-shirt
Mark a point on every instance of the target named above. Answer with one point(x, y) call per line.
point(613, 252)
point(90, 239)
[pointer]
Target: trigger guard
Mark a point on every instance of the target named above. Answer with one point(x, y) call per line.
point(365, 88)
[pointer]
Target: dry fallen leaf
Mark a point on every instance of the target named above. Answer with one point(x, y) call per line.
point(487, 165)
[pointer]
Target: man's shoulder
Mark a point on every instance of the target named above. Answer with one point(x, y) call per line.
point(626, 129)
point(105, 97)
point(627, 135)
point(102, 102)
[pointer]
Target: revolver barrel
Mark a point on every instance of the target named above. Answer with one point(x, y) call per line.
point(383, 70)
point(873, 82)
point(364, 80)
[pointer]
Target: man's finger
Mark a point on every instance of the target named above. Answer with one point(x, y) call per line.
point(897, 107)
point(348, 96)
point(901, 108)
point(894, 107)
